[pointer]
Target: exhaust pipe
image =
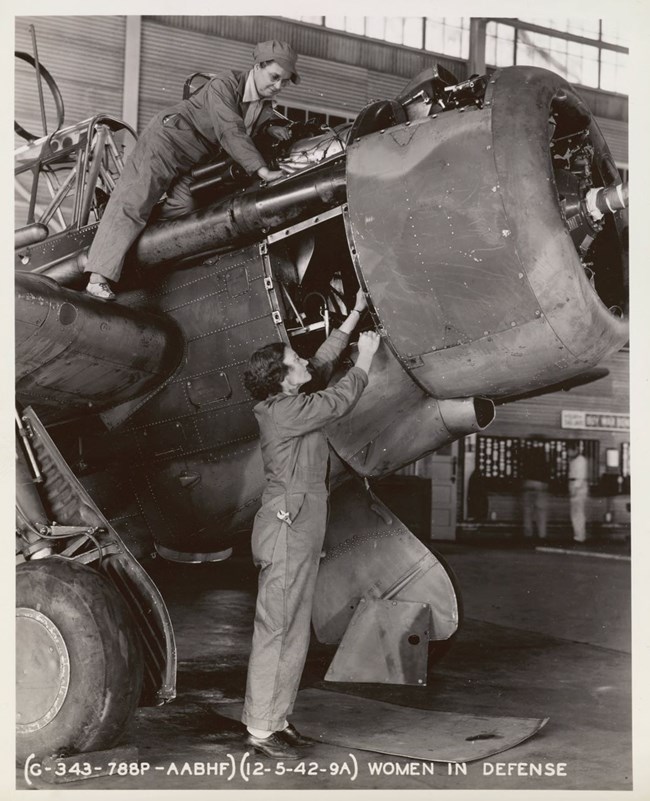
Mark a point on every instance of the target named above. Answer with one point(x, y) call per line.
point(243, 218)
point(427, 426)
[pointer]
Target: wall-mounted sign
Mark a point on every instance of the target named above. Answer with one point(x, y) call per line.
point(612, 458)
point(599, 421)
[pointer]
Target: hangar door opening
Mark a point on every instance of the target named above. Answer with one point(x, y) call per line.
point(440, 468)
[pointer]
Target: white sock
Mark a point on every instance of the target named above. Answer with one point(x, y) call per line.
point(262, 734)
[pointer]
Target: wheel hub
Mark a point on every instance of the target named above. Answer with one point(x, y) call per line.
point(42, 670)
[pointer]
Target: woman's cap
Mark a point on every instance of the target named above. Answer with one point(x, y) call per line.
point(280, 52)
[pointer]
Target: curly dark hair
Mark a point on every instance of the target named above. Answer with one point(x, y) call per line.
point(266, 371)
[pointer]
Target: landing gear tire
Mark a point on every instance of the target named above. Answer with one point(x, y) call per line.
point(79, 663)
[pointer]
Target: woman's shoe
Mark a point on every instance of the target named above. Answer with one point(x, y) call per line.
point(272, 746)
point(101, 290)
point(292, 736)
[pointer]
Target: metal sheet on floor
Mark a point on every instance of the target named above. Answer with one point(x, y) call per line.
point(383, 728)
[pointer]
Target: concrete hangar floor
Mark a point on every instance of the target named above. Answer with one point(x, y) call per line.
point(546, 634)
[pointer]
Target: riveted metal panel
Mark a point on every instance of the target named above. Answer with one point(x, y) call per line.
point(446, 225)
point(200, 315)
point(208, 388)
point(237, 281)
point(459, 236)
point(223, 311)
point(166, 439)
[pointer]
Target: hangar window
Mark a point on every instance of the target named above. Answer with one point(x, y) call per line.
point(407, 31)
point(447, 35)
point(590, 52)
point(327, 118)
point(586, 52)
point(613, 71)
point(499, 45)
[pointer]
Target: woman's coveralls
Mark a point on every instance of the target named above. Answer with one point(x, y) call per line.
point(289, 530)
point(178, 138)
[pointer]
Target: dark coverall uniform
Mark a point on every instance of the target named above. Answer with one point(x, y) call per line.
point(176, 139)
point(289, 531)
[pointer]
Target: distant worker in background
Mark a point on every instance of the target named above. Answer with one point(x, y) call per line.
point(289, 528)
point(478, 502)
point(578, 491)
point(536, 475)
point(221, 116)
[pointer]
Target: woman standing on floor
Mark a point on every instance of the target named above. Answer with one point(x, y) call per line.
point(290, 527)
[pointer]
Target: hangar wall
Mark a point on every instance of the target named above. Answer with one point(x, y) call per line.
point(342, 72)
point(84, 55)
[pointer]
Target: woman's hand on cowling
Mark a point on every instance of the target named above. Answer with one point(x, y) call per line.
point(360, 302)
point(368, 343)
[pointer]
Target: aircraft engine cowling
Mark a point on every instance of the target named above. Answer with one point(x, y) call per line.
point(396, 423)
point(474, 236)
